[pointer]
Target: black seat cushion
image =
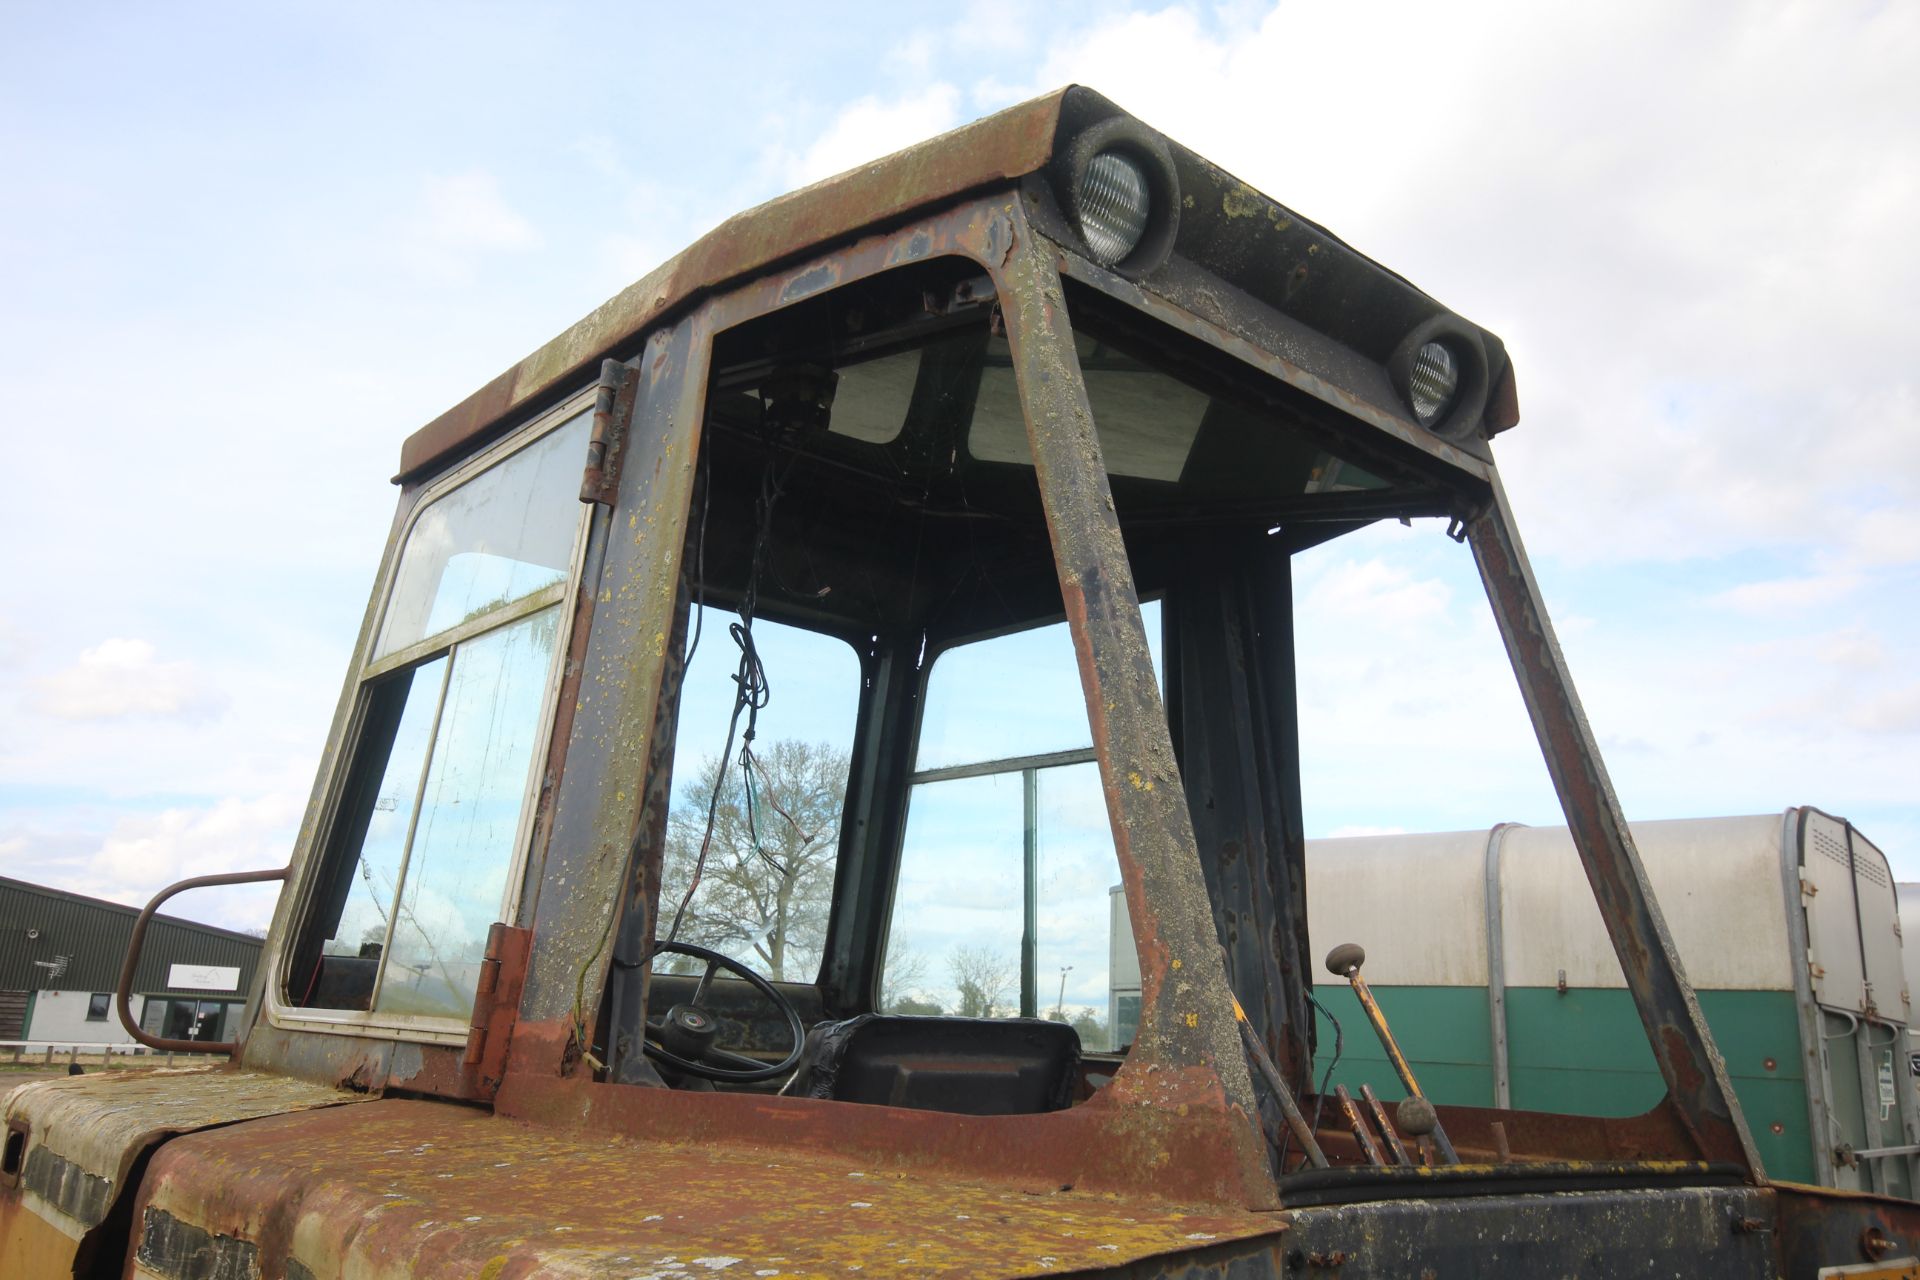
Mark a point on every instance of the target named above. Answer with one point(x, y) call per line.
point(974, 1066)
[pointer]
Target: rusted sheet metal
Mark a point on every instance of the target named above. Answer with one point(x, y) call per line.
point(1824, 1227)
point(1677, 1231)
point(599, 790)
point(999, 148)
point(1230, 662)
point(420, 1189)
point(1695, 1075)
point(1105, 1144)
point(1186, 1016)
point(1546, 1136)
point(85, 1133)
point(1224, 322)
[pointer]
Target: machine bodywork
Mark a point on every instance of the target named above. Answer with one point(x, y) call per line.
point(527, 1135)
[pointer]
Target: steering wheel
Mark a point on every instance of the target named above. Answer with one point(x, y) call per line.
point(683, 1039)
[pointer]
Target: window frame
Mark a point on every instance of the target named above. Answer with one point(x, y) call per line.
point(367, 671)
point(104, 1001)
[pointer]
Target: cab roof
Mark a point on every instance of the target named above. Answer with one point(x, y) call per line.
point(996, 151)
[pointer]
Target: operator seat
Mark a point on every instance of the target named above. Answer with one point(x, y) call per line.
point(972, 1066)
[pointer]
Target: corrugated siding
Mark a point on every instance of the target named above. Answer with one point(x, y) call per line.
point(93, 935)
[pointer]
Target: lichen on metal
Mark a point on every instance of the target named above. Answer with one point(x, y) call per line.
point(419, 1189)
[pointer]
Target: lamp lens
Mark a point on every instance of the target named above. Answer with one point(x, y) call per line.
point(1114, 199)
point(1436, 376)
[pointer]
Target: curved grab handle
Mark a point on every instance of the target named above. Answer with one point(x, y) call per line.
point(122, 994)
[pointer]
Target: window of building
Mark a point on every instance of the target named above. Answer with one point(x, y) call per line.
point(185, 1018)
point(97, 1005)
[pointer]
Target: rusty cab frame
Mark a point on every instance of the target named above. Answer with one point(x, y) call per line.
point(1201, 785)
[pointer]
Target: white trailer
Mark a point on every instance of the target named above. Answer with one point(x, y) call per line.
point(1492, 963)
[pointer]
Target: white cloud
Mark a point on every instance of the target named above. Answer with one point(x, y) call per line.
point(467, 211)
point(121, 678)
point(1859, 649)
point(872, 127)
point(1790, 593)
point(1896, 712)
point(1692, 227)
point(461, 217)
point(13, 644)
point(129, 856)
point(144, 853)
point(1375, 590)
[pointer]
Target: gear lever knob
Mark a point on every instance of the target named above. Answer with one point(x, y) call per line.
point(1345, 960)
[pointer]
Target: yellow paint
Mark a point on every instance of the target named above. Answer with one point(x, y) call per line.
point(1193, 1020)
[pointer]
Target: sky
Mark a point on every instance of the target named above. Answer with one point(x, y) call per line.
point(246, 249)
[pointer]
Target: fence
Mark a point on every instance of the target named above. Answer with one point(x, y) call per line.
point(56, 1053)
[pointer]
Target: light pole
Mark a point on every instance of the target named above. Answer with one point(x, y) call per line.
point(1061, 999)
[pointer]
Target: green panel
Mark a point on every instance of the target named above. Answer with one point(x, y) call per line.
point(1579, 1053)
point(1441, 1030)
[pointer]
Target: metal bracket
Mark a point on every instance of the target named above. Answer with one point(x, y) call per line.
point(496, 1008)
point(607, 446)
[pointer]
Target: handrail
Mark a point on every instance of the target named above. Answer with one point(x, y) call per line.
point(123, 992)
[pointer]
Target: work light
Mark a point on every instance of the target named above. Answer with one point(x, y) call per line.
point(1434, 380)
point(1113, 204)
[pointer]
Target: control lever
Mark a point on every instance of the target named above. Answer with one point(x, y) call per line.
point(1385, 1125)
point(1263, 1061)
point(1344, 961)
point(1361, 1134)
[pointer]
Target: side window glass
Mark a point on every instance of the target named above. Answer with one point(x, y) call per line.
point(766, 884)
point(503, 536)
point(457, 702)
point(1004, 902)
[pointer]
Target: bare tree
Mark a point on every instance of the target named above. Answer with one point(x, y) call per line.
point(768, 880)
point(1087, 1024)
point(982, 980)
point(903, 977)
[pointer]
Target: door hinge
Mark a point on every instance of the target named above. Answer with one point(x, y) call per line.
point(496, 1007)
point(612, 416)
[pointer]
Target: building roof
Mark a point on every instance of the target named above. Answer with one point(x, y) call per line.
point(40, 925)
